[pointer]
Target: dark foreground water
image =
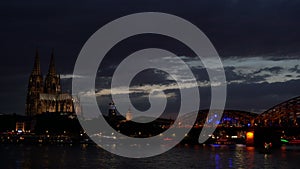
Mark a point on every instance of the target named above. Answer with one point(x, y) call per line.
point(55, 156)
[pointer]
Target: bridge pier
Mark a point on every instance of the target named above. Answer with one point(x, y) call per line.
point(250, 138)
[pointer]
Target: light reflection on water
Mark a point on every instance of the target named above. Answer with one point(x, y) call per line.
point(55, 156)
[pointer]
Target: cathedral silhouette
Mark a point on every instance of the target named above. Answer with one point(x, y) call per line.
point(45, 95)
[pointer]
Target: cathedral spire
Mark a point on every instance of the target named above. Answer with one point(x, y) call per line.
point(52, 81)
point(37, 68)
point(51, 70)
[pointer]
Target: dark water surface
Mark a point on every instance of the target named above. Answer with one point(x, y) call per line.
point(57, 156)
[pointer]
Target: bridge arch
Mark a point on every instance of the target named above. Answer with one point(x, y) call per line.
point(285, 114)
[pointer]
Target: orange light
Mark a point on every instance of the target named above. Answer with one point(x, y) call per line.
point(250, 148)
point(250, 135)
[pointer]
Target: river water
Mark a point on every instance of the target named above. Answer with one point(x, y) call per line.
point(185, 157)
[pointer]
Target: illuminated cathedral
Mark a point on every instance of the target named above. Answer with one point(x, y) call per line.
point(45, 95)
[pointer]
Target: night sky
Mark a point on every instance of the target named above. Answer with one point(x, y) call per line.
point(258, 42)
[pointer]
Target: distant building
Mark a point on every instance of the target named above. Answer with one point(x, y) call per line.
point(112, 112)
point(45, 95)
point(129, 115)
point(20, 127)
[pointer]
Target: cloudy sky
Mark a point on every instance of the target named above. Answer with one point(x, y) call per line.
point(258, 42)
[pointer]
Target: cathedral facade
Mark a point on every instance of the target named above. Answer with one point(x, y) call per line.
point(44, 95)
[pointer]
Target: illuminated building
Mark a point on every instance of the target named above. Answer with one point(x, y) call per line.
point(46, 96)
point(128, 115)
point(20, 126)
point(112, 113)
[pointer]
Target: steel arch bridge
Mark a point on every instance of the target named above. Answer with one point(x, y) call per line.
point(285, 114)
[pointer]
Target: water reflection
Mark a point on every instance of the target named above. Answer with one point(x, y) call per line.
point(53, 156)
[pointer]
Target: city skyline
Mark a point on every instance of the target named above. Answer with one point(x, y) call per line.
point(258, 47)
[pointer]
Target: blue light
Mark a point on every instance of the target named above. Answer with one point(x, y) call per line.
point(227, 119)
point(215, 145)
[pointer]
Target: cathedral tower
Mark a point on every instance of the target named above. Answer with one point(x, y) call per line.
point(52, 81)
point(35, 87)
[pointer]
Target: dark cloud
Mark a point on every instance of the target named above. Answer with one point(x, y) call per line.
point(273, 70)
point(249, 78)
point(282, 57)
point(295, 69)
point(231, 75)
